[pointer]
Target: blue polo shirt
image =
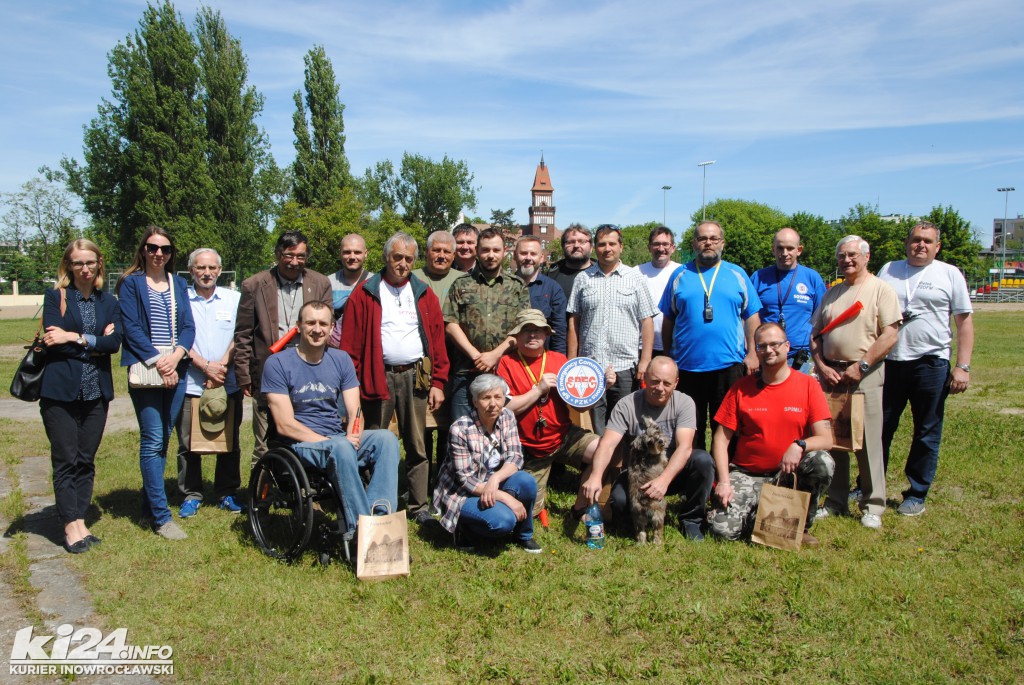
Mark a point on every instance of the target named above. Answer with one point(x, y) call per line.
point(799, 291)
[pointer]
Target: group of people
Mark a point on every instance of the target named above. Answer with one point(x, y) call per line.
point(464, 355)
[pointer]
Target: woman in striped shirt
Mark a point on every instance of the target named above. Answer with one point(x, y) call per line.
point(158, 331)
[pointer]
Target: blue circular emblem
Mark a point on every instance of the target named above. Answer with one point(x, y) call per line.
point(581, 382)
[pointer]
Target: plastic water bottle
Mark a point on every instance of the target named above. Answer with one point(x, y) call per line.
point(595, 527)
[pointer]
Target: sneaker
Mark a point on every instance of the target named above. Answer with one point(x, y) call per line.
point(692, 531)
point(825, 512)
point(530, 546)
point(171, 530)
point(856, 495)
point(809, 540)
point(871, 521)
point(189, 508)
point(227, 503)
point(912, 506)
point(422, 517)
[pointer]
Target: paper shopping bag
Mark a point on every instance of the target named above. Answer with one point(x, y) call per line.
point(781, 515)
point(847, 419)
point(203, 442)
point(382, 548)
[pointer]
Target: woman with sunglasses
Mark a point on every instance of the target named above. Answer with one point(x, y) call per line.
point(156, 313)
point(83, 328)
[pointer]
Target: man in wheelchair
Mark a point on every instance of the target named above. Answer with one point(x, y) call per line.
point(303, 386)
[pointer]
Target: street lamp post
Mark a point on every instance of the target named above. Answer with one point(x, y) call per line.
point(664, 203)
point(703, 189)
point(1006, 204)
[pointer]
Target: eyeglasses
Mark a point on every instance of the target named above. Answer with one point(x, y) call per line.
point(773, 346)
point(713, 240)
point(78, 266)
point(152, 248)
point(849, 256)
point(288, 257)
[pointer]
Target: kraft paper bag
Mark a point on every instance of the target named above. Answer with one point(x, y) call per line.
point(202, 442)
point(382, 547)
point(847, 419)
point(781, 515)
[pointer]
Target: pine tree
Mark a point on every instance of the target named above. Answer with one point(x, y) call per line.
point(320, 169)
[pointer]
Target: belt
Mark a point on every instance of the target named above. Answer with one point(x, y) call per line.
point(399, 368)
point(839, 365)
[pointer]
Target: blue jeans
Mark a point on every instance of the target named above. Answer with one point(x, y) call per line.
point(336, 457)
point(157, 410)
point(923, 383)
point(461, 404)
point(499, 521)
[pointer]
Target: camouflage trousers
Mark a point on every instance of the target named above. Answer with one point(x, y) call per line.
point(813, 475)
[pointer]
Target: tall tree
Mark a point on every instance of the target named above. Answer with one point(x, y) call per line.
point(320, 169)
point(886, 238)
point(749, 228)
point(503, 221)
point(430, 193)
point(145, 152)
point(960, 244)
point(39, 222)
point(243, 172)
point(819, 239)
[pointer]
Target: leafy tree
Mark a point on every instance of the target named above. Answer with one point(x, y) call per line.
point(145, 152)
point(320, 168)
point(504, 222)
point(430, 193)
point(885, 237)
point(634, 242)
point(819, 238)
point(960, 244)
point(41, 218)
point(241, 168)
point(749, 229)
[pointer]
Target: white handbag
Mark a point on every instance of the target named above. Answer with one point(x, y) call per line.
point(142, 375)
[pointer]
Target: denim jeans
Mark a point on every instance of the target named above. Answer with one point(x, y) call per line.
point(336, 457)
point(923, 383)
point(157, 410)
point(461, 404)
point(499, 521)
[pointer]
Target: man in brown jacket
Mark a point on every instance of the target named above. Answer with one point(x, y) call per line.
point(269, 308)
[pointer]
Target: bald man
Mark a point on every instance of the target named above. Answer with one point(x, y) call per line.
point(789, 294)
point(346, 279)
point(689, 471)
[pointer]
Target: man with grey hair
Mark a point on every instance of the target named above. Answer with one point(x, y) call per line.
point(211, 388)
point(930, 292)
point(851, 332)
point(394, 333)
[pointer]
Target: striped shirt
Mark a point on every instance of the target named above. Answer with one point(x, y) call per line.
point(473, 455)
point(610, 309)
point(160, 316)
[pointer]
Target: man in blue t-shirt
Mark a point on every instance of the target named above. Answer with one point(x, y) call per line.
point(789, 295)
point(711, 312)
point(303, 385)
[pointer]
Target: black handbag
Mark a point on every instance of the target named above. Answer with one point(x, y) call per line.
point(28, 379)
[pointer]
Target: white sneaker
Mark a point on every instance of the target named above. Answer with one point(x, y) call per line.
point(824, 513)
point(871, 521)
point(171, 531)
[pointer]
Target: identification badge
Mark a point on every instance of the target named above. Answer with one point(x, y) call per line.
point(709, 312)
point(782, 321)
point(224, 315)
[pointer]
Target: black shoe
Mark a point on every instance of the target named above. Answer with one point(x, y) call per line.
point(92, 540)
point(462, 541)
point(422, 517)
point(692, 531)
point(79, 547)
point(530, 546)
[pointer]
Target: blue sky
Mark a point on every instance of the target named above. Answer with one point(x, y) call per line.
point(812, 106)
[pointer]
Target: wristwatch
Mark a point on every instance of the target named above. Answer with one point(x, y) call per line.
point(965, 367)
point(80, 341)
point(863, 366)
point(802, 443)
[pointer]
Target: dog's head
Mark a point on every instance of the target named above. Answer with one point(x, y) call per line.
point(652, 441)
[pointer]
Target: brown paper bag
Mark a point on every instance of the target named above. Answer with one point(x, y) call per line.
point(847, 419)
point(382, 549)
point(583, 419)
point(781, 515)
point(202, 442)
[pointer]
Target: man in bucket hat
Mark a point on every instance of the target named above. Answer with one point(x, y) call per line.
point(545, 430)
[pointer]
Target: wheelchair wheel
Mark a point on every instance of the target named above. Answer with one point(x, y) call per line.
point(280, 507)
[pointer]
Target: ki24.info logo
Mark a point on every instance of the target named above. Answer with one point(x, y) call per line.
point(86, 652)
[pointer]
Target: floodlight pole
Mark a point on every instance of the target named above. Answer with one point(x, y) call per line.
point(664, 203)
point(1006, 204)
point(703, 189)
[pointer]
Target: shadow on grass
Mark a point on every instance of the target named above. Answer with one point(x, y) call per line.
point(45, 523)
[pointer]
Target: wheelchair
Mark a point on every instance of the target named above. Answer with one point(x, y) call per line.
point(288, 498)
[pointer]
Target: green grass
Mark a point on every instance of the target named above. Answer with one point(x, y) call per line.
point(933, 599)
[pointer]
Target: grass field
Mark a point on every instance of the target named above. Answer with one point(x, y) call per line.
point(934, 599)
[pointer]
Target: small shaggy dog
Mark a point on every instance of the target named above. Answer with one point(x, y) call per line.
point(646, 461)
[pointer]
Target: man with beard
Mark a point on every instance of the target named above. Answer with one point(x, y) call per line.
point(480, 310)
point(662, 245)
point(711, 313)
point(576, 247)
point(347, 278)
point(545, 295)
point(466, 238)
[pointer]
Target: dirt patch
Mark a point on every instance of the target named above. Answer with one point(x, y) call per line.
point(1015, 411)
point(998, 306)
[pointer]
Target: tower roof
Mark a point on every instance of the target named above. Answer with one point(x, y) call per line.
point(541, 180)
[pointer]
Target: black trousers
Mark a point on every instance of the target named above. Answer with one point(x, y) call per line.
point(707, 390)
point(693, 483)
point(74, 430)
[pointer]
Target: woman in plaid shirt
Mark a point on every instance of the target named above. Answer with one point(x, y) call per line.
point(481, 491)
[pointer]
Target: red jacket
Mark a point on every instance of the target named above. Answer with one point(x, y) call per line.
point(360, 335)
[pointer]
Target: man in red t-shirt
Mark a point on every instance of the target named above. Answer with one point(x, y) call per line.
point(547, 433)
point(782, 425)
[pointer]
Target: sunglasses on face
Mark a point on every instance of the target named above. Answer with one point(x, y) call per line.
point(163, 249)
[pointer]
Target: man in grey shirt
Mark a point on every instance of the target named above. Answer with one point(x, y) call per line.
point(689, 471)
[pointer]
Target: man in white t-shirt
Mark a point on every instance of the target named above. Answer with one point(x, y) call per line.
point(394, 332)
point(917, 368)
point(657, 272)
